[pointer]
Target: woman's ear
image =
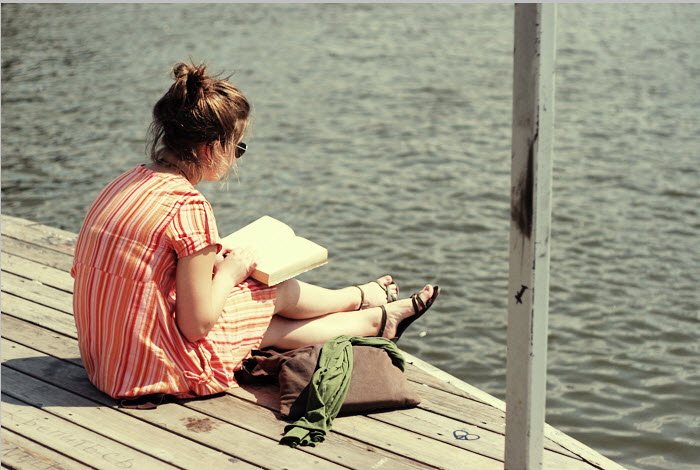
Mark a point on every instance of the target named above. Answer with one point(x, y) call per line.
point(205, 150)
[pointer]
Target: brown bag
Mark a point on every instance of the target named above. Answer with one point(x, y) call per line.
point(375, 383)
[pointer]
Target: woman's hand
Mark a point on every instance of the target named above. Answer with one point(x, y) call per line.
point(237, 264)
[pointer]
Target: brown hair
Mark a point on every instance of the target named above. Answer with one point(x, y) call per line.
point(197, 110)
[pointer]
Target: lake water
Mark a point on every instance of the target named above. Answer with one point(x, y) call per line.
point(383, 132)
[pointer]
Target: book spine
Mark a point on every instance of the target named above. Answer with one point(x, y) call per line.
point(261, 276)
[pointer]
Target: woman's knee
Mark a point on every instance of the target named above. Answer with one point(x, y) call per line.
point(288, 293)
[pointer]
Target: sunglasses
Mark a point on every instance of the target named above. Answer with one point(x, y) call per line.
point(240, 149)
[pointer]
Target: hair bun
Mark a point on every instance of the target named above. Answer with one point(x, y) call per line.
point(191, 83)
point(198, 109)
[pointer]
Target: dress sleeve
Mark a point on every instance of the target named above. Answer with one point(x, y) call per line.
point(193, 228)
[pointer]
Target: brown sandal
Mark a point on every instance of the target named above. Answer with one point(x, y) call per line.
point(390, 297)
point(383, 325)
point(419, 308)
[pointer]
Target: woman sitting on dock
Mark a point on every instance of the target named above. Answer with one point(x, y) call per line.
point(160, 306)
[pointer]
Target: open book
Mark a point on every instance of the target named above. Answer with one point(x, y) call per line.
point(281, 253)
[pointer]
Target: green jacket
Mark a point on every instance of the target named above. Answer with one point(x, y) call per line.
point(329, 387)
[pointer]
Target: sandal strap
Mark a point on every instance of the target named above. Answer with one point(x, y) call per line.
point(362, 297)
point(419, 308)
point(384, 317)
point(416, 302)
point(389, 297)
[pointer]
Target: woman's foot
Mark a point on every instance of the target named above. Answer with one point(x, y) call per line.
point(399, 311)
point(379, 292)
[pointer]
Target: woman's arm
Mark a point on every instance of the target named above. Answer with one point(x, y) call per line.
point(200, 298)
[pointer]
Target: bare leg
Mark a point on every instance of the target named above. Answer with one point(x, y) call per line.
point(289, 333)
point(298, 300)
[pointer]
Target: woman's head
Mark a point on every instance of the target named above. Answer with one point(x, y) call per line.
point(199, 122)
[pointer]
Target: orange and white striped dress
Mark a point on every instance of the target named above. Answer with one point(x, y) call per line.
point(124, 293)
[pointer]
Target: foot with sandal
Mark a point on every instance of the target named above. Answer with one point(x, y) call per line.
point(396, 319)
point(378, 292)
point(398, 316)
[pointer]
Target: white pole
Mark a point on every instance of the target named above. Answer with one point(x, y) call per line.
point(528, 286)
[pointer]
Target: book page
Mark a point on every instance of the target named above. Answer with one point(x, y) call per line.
point(283, 254)
point(260, 235)
point(289, 258)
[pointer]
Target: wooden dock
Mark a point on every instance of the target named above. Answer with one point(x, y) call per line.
point(53, 418)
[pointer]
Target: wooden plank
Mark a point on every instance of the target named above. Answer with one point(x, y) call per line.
point(404, 442)
point(449, 383)
point(483, 416)
point(475, 413)
point(37, 292)
point(34, 336)
point(258, 449)
point(528, 287)
point(67, 438)
point(438, 402)
point(51, 369)
point(39, 272)
point(21, 453)
point(255, 448)
point(14, 331)
point(420, 376)
point(421, 372)
point(8, 219)
point(144, 437)
point(343, 449)
point(593, 457)
point(69, 330)
point(61, 346)
point(469, 437)
point(412, 444)
point(349, 452)
point(38, 314)
point(37, 253)
point(435, 402)
point(491, 416)
point(443, 403)
point(38, 234)
point(60, 373)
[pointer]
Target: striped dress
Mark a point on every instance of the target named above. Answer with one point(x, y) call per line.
point(124, 293)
